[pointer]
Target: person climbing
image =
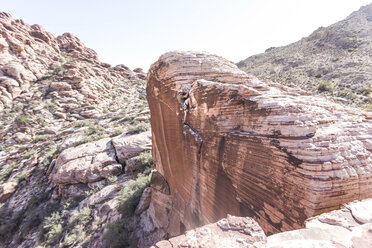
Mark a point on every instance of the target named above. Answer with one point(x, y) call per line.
point(183, 99)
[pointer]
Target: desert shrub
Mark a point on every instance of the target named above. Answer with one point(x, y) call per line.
point(365, 91)
point(9, 221)
point(23, 120)
point(77, 226)
point(117, 235)
point(94, 190)
point(144, 161)
point(53, 227)
point(94, 129)
point(117, 132)
point(325, 87)
point(83, 123)
point(138, 128)
point(130, 195)
point(5, 171)
point(91, 138)
point(80, 217)
point(23, 175)
point(29, 154)
point(51, 153)
point(112, 180)
point(122, 114)
point(51, 107)
point(39, 138)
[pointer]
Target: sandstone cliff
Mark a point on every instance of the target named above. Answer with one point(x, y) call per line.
point(228, 143)
point(334, 60)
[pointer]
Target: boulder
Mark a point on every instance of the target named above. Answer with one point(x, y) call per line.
point(128, 146)
point(228, 143)
point(144, 202)
point(86, 163)
point(335, 229)
point(7, 190)
point(22, 137)
point(228, 232)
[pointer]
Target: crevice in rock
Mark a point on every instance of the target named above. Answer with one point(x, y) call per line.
point(195, 196)
point(117, 158)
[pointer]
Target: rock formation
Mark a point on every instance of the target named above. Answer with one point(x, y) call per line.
point(228, 143)
point(336, 229)
point(72, 141)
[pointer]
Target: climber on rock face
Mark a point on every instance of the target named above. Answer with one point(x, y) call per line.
point(182, 96)
point(183, 99)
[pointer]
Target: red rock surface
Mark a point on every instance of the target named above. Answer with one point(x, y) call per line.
point(228, 143)
point(336, 229)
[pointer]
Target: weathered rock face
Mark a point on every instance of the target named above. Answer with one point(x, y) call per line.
point(334, 229)
point(86, 163)
point(228, 143)
point(228, 232)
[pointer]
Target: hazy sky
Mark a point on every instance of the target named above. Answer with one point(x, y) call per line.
point(136, 33)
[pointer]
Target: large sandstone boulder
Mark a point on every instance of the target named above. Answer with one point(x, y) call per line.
point(228, 143)
point(86, 163)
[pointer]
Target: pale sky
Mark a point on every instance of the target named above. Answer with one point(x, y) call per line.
point(136, 33)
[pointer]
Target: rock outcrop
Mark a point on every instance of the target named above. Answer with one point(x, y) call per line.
point(60, 111)
point(228, 143)
point(336, 229)
point(232, 232)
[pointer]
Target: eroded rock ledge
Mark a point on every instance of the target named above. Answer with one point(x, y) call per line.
point(350, 226)
point(228, 143)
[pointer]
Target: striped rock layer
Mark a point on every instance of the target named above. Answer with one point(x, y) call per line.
point(228, 143)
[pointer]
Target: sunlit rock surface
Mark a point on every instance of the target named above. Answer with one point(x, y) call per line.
point(228, 143)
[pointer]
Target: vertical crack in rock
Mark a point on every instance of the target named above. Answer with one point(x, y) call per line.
point(195, 193)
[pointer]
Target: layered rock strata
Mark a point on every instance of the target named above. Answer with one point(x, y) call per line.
point(350, 226)
point(228, 143)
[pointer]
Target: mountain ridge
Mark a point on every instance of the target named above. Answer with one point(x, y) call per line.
point(334, 61)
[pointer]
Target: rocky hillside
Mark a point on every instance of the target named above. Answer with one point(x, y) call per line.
point(334, 61)
point(72, 137)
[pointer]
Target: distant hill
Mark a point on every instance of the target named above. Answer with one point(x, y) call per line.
point(336, 61)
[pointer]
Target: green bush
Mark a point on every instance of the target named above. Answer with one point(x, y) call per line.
point(83, 123)
point(117, 132)
point(23, 120)
point(80, 217)
point(112, 180)
point(325, 87)
point(91, 138)
point(39, 138)
point(52, 107)
point(117, 235)
point(119, 116)
point(144, 161)
point(9, 221)
point(29, 154)
point(51, 153)
point(138, 128)
point(53, 227)
point(6, 171)
point(130, 195)
point(23, 175)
